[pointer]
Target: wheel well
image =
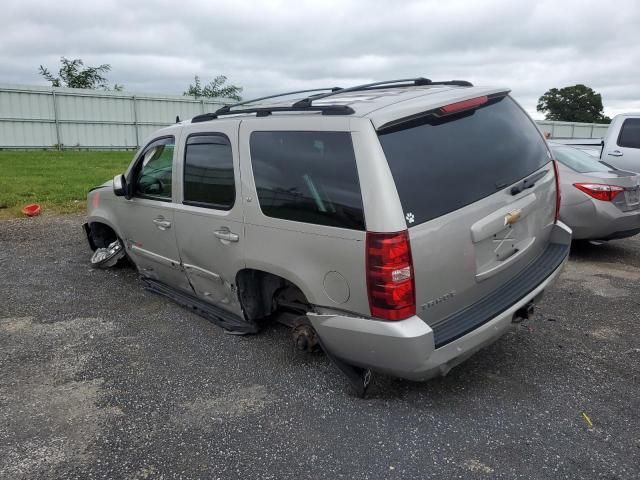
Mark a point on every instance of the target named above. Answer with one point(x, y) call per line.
point(101, 235)
point(262, 293)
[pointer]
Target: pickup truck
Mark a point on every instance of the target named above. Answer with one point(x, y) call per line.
point(621, 144)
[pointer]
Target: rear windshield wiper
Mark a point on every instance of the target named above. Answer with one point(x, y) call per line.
point(528, 182)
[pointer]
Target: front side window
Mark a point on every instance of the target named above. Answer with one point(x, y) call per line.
point(308, 177)
point(154, 171)
point(630, 133)
point(208, 172)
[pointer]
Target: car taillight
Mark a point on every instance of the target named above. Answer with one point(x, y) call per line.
point(558, 192)
point(390, 281)
point(599, 191)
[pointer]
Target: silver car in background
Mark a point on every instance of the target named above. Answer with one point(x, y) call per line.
point(599, 202)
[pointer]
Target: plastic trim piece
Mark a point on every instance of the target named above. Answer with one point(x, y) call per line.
point(228, 321)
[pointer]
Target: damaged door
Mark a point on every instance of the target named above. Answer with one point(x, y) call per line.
point(147, 223)
point(208, 219)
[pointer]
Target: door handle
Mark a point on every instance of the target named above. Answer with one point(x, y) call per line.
point(225, 234)
point(615, 153)
point(161, 223)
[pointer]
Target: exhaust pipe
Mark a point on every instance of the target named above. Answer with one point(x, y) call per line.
point(523, 313)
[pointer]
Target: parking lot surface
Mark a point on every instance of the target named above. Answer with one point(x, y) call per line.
point(101, 379)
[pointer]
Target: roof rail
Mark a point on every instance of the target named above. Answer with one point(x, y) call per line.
point(227, 108)
point(266, 111)
point(404, 82)
point(306, 104)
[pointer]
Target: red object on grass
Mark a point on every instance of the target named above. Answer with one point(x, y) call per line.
point(31, 210)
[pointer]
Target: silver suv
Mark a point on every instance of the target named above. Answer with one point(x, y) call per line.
point(400, 225)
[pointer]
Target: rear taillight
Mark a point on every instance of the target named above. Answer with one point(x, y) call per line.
point(558, 192)
point(390, 275)
point(599, 191)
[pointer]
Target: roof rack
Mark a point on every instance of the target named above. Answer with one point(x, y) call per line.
point(404, 82)
point(266, 111)
point(228, 108)
point(306, 104)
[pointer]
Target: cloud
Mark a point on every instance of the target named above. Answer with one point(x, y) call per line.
point(272, 46)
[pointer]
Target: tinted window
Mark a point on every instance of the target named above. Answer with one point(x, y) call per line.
point(440, 165)
point(307, 177)
point(630, 133)
point(577, 160)
point(155, 170)
point(208, 172)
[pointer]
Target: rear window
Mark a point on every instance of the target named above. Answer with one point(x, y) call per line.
point(441, 165)
point(307, 177)
point(630, 133)
point(578, 160)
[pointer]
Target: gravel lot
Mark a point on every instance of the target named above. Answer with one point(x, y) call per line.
point(100, 379)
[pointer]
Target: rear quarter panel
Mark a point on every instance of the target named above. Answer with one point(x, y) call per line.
point(303, 253)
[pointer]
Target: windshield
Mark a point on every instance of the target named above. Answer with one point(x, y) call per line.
point(578, 160)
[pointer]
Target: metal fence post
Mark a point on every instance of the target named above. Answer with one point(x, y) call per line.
point(201, 106)
point(55, 119)
point(135, 120)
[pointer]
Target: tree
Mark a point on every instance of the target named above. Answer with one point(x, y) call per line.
point(577, 103)
point(74, 74)
point(216, 88)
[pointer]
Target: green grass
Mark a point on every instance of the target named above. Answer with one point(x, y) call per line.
point(58, 181)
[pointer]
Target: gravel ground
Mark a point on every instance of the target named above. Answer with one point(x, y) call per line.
point(100, 379)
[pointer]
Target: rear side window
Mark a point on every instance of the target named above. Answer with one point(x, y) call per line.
point(442, 164)
point(630, 133)
point(307, 177)
point(208, 172)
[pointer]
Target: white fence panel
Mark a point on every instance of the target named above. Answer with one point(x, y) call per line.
point(573, 129)
point(42, 117)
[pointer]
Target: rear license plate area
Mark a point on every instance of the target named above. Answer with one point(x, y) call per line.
point(632, 197)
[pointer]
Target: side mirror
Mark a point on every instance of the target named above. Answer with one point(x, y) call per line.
point(119, 185)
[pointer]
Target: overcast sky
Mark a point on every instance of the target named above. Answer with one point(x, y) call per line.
point(272, 46)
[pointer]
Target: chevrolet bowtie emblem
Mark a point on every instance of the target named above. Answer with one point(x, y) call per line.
point(512, 217)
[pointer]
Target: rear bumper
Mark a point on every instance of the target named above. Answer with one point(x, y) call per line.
point(407, 348)
point(596, 220)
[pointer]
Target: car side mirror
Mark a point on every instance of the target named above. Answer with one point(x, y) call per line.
point(119, 186)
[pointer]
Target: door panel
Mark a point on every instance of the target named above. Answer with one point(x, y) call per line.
point(148, 227)
point(211, 263)
point(208, 217)
point(146, 219)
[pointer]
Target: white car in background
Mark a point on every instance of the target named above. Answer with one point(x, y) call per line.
point(621, 145)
